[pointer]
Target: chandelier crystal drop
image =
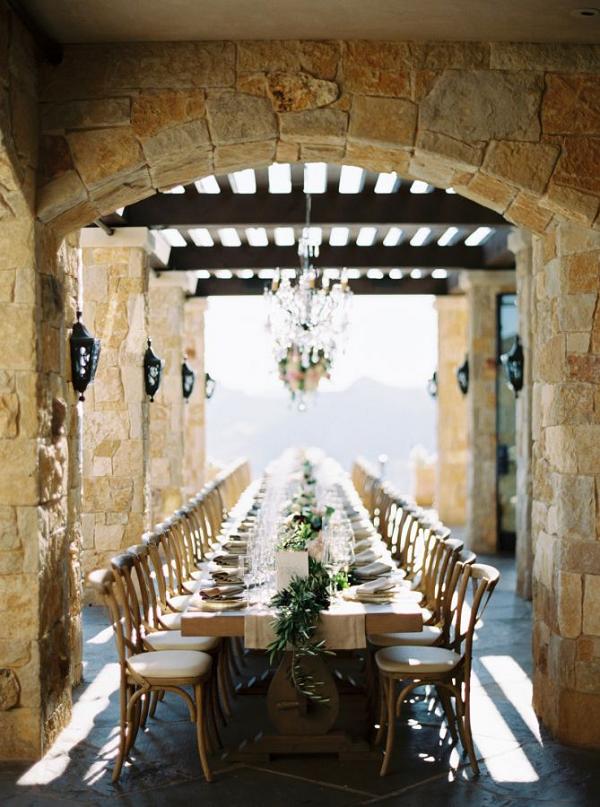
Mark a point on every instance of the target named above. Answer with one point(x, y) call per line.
point(307, 311)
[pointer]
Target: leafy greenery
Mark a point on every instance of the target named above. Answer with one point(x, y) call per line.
point(298, 609)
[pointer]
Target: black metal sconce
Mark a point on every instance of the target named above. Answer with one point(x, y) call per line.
point(514, 363)
point(188, 378)
point(85, 352)
point(209, 385)
point(153, 367)
point(462, 376)
point(432, 385)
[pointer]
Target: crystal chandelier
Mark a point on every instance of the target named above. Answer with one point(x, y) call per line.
point(307, 311)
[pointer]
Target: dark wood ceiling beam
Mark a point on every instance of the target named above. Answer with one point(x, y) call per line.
point(402, 256)
point(263, 208)
point(215, 287)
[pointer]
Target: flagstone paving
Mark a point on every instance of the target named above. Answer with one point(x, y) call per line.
point(520, 766)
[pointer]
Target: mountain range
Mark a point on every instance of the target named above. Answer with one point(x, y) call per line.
point(368, 418)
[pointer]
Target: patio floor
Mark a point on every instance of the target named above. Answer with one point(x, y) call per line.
point(520, 765)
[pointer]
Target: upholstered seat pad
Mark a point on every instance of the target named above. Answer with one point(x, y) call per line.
point(428, 636)
point(170, 664)
point(170, 621)
point(173, 640)
point(179, 601)
point(412, 660)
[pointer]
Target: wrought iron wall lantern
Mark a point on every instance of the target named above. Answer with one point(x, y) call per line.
point(209, 385)
point(188, 378)
point(153, 367)
point(432, 385)
point(514, 363)
point(85, 352)
point(462, 376)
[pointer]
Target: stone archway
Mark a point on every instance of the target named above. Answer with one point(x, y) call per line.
point(514, 127)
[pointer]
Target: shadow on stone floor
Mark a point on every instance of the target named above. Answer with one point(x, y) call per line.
point(520, 764)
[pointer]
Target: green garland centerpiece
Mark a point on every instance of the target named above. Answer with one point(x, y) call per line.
point(300, 604)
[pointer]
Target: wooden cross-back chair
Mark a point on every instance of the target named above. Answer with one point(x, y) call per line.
point(142, 672)
point(448, 668)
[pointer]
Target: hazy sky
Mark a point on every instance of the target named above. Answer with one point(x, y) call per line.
point(391, 339)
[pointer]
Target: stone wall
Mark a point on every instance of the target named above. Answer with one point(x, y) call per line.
point(116, 473)
point(566, 474)
point(194, 446)
point(520, 244)
point(119, 121)
point(40, 646)
point(166, 324)
point(482, 290)
point(452, 436)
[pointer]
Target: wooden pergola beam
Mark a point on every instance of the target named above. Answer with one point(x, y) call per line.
point(235, 286)
point(403, 256)
point(192, 209)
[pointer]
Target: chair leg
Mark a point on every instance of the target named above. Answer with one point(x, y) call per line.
point(134, 713)
point(446, 702)
point(153, 702)
point(123, 698)
point(222, 681)
point(146, 709)
point(469, 736)
point(199, 692)
point(382, 689)
point(391, 726)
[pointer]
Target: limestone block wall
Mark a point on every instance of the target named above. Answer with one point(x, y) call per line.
point(566, 475)
point(39, 530)
point(166, 323)
point(194, 445)
point(120, 121)
point(520, 244)
point(482, 290)
point(116, 496)
point(452, 434)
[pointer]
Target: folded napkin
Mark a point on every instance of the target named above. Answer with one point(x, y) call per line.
point(367, 556)
point(377, 586)
point(364, 532)
point(224, 576)
point(223, 592)
point(367, 543)
point(236, 547)
point(227, 560)
point(375, 569)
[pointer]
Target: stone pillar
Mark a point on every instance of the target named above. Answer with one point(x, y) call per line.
point(482, 290)
point(452, 439)
point(38, 419)
point(519, 243)
point(194, 442)
point(116, 506)
point(566, 477)
point(167, 326)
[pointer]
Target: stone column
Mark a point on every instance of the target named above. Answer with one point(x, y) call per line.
point(116, 507)
point(566, 478)
point(519, 243)
point(167, 414)
point(452, 438)
point(482, 290)
point(194, 442)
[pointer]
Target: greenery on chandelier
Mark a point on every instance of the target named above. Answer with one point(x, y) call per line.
point(298, 609)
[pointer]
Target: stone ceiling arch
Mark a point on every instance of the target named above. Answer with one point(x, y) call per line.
point(513, 127)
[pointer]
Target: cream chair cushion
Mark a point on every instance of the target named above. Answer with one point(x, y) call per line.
point(173, 640)
point(179, 602)
point(170, 621)
point(170, 664)
point(428, 636)
point(408, 661)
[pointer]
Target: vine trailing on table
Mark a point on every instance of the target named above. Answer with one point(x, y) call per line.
point(299, 607)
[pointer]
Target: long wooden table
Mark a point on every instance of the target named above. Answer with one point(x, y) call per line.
point(396, 617)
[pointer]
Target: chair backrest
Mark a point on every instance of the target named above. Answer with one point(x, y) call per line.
point(153, 541)
point(147, 585)
point(468, 604)
point(119, 596)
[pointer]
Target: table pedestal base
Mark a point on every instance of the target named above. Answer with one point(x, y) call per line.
point(336, 743)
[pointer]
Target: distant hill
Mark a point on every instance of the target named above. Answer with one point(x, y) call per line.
point(368, 418)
